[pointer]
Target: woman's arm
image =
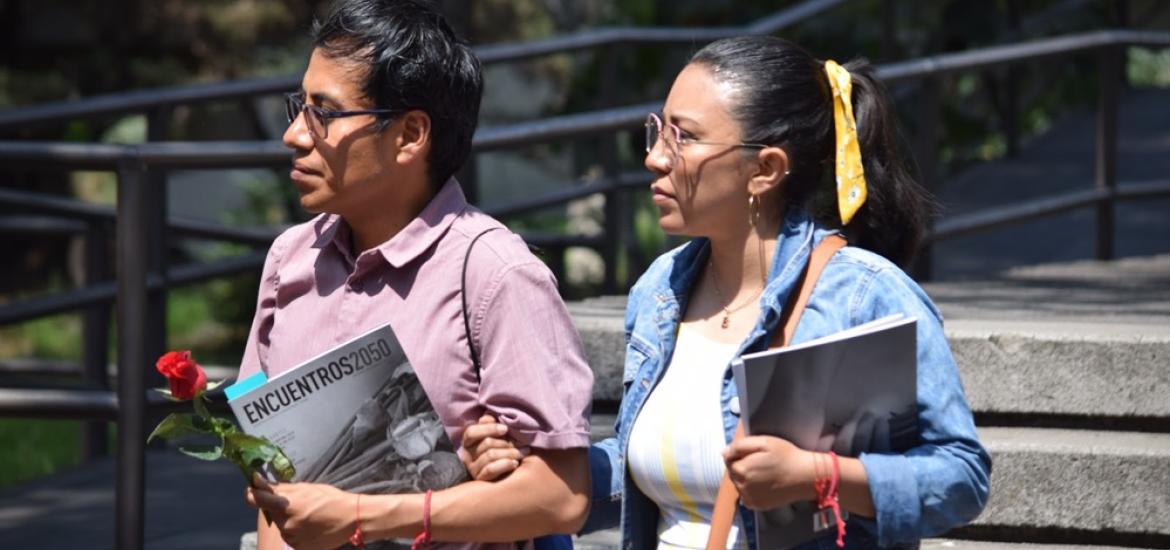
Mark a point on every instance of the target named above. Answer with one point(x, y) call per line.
point(944, 481)
point(769, 472)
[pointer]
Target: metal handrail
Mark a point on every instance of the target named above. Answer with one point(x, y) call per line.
point(105, 292)
point(607, 37)
point(73, 403)
point(1022, 212)
point(566, 193)
point(146, 100)
point(1018, 53)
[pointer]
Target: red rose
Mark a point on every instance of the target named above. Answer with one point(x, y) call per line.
point(185, 375)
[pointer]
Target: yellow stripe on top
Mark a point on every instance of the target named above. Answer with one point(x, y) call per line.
point(670, 472)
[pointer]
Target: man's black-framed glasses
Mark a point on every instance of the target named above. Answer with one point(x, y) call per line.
point(317, 118)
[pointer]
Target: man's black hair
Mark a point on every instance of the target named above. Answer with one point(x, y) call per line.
point(414, 61)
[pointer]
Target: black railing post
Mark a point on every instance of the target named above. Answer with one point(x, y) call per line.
point(1011, 112)
point(133, 240)
point(889, 30)
point(1122, 14)
point(155, 191)
point(614, 211)
point(1110, 61)
point(926, 154)
point(95, 336)
point(1011, 96)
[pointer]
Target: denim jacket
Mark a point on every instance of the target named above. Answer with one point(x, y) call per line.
point(940, 484)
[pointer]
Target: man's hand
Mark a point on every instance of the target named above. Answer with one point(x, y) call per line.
point(486, 453)
point(769, 472)
point(310, 516)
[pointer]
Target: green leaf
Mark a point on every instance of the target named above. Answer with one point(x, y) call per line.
point(283, 466)
point(203, 452)
point(251, 453)
point(177, 425)
point(249, 450)
point(224, 426)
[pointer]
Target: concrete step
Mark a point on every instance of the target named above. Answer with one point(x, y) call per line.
point(610, 540)
point(1080, 480)
point(1066, 480)
point(1063, 368)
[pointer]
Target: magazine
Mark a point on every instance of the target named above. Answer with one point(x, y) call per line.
point(355, 417)
point(850, 392)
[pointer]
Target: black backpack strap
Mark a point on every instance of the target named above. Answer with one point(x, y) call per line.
point(463, 295)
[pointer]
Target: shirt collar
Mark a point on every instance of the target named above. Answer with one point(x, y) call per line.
point(417, 237)
point(425, 229)
point(332, 230)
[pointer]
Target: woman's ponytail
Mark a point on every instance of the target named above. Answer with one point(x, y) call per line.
point(893, 220)
point(784, 97)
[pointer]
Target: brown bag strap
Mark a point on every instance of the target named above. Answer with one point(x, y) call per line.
point(724, 514)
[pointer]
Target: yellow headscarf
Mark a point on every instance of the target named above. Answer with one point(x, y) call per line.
point(850, 174)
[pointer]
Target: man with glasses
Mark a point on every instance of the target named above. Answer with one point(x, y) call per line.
point(384, 118)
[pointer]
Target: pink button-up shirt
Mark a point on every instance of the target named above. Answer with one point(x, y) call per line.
point(315, 294)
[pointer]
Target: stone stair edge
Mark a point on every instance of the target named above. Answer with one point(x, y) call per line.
point(610, 539)
point(1013, 439)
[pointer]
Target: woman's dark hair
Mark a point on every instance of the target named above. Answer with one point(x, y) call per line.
point(782, 97)
point(414, 61)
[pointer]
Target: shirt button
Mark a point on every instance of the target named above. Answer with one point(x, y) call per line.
point(734, 406)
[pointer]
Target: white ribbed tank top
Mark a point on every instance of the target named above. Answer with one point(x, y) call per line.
point(676, 441)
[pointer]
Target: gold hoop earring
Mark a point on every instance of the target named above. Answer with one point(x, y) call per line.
point(753, 210)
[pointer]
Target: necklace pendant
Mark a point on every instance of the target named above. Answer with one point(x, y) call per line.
point(725, 322)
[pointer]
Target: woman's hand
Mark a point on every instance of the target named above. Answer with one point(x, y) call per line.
point(485, 453)
point(769, 472)
point(310, 516)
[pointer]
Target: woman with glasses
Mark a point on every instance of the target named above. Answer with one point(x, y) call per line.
point(763, 153)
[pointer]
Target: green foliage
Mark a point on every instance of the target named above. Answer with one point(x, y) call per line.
point(253, 453)
point(179, 425)
point(202, 451)
point(1148, 67)
point(33, 448)
point(57, 337)
point(20, 86)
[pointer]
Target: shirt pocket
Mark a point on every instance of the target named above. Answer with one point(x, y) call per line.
point(638, 354)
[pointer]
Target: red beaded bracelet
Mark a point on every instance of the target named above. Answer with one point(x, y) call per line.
point(423, 539)
point(356, 538)
point(827, 499)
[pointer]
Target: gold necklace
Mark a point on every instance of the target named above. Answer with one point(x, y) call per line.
point(728, 310)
